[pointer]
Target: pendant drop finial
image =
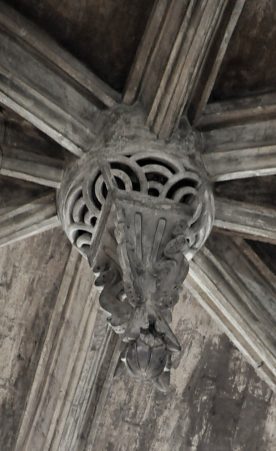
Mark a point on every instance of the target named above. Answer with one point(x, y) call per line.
point(138, 209)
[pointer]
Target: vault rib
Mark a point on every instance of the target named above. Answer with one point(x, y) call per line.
point(248, 220)
point(228, 113)
point(239, 291)
point(240, 151)
point(182, 42)
point(46, 85)
point(72, 351)
point(26, 155)
point(28, 220)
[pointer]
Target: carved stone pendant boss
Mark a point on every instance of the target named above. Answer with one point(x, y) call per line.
point(138, 209)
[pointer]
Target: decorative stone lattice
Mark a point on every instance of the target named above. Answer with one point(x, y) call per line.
point(138, 210)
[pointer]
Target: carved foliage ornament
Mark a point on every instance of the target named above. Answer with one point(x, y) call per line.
point(138, 209)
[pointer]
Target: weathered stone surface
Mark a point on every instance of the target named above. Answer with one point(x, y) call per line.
point(139, 210)
point(250, 53)
point(15, 193)
point(258, 190)
point(30, 276)
point(102, 34)
point(217, 403)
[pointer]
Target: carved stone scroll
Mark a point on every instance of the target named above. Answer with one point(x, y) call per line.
point(138, 214)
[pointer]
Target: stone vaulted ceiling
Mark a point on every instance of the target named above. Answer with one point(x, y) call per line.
point(210, 63)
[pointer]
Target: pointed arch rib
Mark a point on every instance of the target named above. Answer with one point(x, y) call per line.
point(179, 57)
point(241, 151)
point(255, 108)
point(248, 220)
point(27, 155)
point(76, 366)
point(28, 220)
point(46, 85)
point(239, 292)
